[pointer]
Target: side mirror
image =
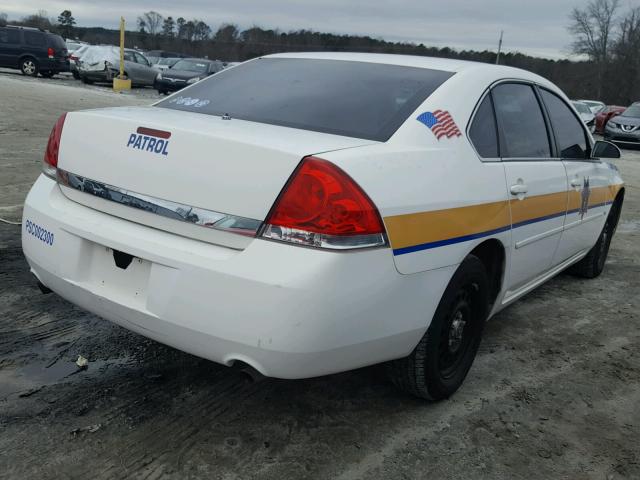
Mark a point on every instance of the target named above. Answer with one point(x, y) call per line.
point(602, 149)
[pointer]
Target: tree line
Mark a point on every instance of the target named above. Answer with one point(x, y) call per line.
point(606, 36)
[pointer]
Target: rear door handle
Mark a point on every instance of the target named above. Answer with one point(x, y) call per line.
point(518, 189)
point(576, 183)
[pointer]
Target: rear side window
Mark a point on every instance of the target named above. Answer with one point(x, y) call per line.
point(355, 99)
point(483, 133)
point(35, 39)
point(8, 35)
point(570, 136)
point(521, 123)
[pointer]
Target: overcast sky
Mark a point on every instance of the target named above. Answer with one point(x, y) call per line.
point(536, 27)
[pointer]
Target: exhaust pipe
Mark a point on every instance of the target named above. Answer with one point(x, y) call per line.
point(43, 288)
point(251, 373)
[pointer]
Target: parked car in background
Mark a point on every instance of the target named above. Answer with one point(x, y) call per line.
point(594, 105)
point(102, 64)
point(33, 51)
point(586, 114)
point(155, 55)
point(165, 63)
point(604, 115)
point(73, 45)
point(74, 59)
point(624, 129)
point(185, 72)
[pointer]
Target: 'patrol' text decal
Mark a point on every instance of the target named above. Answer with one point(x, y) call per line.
point(150, 140)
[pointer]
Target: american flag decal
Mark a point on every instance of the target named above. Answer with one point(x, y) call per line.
point(440, 123)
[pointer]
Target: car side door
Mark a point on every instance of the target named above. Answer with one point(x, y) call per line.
point(147, 73)
point(588, 179)
point(536, 182)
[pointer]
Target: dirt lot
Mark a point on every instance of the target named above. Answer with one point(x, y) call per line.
point(554, 392)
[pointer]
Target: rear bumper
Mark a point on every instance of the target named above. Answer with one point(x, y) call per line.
point(287, 311)
point(55, 65)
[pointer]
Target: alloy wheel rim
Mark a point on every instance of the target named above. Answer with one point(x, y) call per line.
point(29, 67)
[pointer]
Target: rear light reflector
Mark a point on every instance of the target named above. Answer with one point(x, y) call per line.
point(50, 162)
point(50, 52)
point(321, 206)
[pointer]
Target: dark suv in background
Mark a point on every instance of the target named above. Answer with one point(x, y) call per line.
point(33, 51)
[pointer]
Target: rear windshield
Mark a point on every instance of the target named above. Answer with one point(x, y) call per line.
point(355, 99)
point(57, 41)
point(191, 66)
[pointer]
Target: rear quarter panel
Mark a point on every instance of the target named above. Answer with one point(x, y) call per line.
point(431, 192)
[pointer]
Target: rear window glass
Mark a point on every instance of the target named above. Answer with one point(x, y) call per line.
point(191, 66)
point(483, 132)
point(34, 38)
point(355, 99)
point(58, 42)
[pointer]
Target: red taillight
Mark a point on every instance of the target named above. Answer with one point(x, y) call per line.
point(50, 52)
point(73, 57)
point(322, 206)
point(53, 146)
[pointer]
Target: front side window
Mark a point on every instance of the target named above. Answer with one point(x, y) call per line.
point(355, 99)
point(570, 135)
point(522, 126)
point(483, 133)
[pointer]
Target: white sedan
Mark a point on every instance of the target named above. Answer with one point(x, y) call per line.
point(304, 214)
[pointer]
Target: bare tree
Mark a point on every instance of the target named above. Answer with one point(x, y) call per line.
point(627, 56)
point(37, 20)
point(150, 22)
point(593, 29)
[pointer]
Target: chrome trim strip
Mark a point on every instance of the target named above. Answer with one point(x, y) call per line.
point(539, 236)
point(165, 208)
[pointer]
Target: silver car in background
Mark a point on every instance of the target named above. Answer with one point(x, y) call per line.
point(102, 64)
point(586, 114)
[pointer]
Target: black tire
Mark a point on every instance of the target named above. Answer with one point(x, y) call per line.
point(440, 362)
point(86, 80)
point(592, 265)
point(47, 74)
point(76, 75)
point(29, 66)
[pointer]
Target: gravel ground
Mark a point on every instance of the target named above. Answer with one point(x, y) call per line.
point(554, 392)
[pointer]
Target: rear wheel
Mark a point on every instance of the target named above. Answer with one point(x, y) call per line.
point(29, 66)
point(440, 362)
point(592, 264)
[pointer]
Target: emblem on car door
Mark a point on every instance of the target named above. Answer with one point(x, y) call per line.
point(585, 193)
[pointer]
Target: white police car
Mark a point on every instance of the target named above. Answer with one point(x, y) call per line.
point(305, 214)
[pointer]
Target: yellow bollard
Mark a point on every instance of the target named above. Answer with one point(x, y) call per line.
point(119, 82)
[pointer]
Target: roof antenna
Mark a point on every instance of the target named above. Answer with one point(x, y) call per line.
point(499, 47)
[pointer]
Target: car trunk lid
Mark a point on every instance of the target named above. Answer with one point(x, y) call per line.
point(186, 160)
